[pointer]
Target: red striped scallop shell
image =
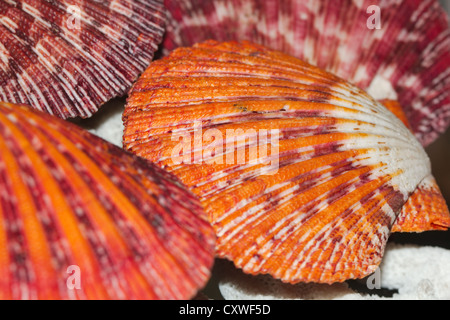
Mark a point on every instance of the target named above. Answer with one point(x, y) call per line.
point(68, 58)
point(408, 58)
point(302, 174)
point(83, 219)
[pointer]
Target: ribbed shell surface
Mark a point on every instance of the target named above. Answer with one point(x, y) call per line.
point(397, 49)
point(83, 219)
point(301, 173)
point(68, 58)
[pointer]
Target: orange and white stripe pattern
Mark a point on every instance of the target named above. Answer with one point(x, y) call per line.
point(346, 165)
point(70, 201)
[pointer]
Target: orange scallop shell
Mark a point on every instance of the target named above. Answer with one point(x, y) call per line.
point(302, 174)
point(82, 219)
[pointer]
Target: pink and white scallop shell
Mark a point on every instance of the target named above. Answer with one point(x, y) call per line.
point(407, 58)
point(69, 57)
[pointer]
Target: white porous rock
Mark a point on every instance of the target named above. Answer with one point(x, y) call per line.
point(107, 123)
point(418, 272)
point(235, 285)
point(415, 272)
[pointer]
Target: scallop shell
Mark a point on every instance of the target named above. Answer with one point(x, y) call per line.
point(407, 59)
point(302, 174)
point(82, 219)
point(69, 57)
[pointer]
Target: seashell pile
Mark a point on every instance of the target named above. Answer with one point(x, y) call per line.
point(69, 199)
point(320, 207)
point(68, 58)
point(266, 148)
